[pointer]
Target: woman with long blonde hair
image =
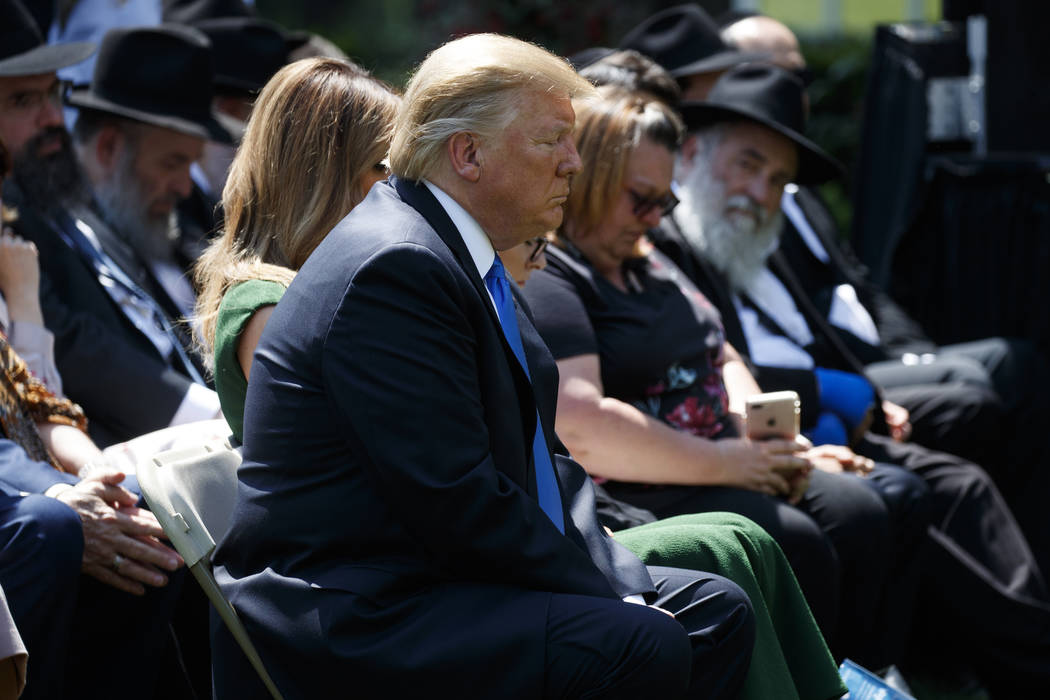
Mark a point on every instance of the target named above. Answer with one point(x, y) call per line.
point(314, 146)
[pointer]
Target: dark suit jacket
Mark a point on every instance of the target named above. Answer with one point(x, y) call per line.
point(107, 365)
point(897, 330)
point(387, 529)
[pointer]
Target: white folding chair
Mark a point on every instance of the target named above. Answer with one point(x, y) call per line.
point(192, 493)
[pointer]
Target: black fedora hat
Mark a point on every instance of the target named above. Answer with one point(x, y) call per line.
point(685, 40)
point(157, 75)
point(772, 97)
point(22, 48)
point(245, 51)
point(192, 11)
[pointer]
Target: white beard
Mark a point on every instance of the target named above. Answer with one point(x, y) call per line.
point(125, 208)
point(735, 243)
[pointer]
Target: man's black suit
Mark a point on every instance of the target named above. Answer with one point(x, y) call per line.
point(983, 596)
point(387, 531)
point(1003, 380)
point(107, 365)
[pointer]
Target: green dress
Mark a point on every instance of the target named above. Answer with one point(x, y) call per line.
point(238, 304)
point(790, 659)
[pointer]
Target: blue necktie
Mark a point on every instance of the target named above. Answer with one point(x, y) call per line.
point(546, 485)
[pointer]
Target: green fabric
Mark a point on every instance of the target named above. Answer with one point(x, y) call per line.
point(238, 304)
point(790, 660)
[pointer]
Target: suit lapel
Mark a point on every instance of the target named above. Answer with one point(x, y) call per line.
point(421, 199)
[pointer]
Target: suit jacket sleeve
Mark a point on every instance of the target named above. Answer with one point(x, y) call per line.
point(622, 568)
point(401, 365)
point(20, 473)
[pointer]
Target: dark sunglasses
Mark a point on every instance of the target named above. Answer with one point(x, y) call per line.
point(539, 244)
point(644, 205)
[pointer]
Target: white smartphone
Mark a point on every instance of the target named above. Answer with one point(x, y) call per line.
point(773, 415)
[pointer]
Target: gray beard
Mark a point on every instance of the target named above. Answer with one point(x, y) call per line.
point(125, 208)
point(734, 243)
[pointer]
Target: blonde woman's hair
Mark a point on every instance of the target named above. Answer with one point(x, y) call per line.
point(607, 131)
point(316, 128)
point(471, 84)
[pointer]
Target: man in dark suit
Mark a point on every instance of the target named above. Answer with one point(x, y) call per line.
point(1002, 375)
point(747, 148)
point(400, 521)
point(118, 347)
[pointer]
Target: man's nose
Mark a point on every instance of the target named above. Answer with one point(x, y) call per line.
point(572, 163)
point(759, 189)
point(182, 185)
point(50, 114)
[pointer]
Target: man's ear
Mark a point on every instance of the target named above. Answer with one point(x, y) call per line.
point(464, 153)
point(108, 144)
point(687, 154)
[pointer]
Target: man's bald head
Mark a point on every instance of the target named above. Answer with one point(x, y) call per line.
point(765, 34)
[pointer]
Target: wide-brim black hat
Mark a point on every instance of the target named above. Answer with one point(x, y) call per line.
point(157, 75)
point(685, 41)
point(22, 48)
point(246, 51)
point(772, 97)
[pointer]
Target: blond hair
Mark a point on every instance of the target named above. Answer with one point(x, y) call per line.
point(471, 84)
point(316, 128)
point(607, 131)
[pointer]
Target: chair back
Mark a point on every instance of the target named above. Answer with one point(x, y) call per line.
point(192, 492)
point(195, 490)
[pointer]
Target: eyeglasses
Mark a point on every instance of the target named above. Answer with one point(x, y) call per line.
point(539, 244)
point(33, 102)
point(644, 205)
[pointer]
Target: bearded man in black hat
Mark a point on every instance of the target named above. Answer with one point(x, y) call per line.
point(746, 146)
point(107, 293)
point(941, 385)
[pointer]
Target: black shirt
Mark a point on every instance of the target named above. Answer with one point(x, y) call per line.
point(660, 344)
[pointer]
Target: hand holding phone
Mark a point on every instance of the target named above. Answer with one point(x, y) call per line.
point(773, 415)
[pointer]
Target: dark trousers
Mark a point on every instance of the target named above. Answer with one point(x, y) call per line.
point(983, 598)
point(838, 541)
point(73, 626)
point(595, 647)
point(41, 548)
point(598, 648)
point(983, 378)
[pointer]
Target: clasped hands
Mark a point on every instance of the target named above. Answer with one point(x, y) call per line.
point(781, 467)
point(121, 541)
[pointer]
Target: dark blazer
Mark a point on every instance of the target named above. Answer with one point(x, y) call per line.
point(897, 330)
point(107, 365)
point(387, 531)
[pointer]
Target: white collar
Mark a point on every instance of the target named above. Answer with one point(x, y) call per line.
point(478, 244)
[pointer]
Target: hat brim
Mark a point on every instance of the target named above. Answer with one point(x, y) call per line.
point(724, 60)
point(814, 164)
point(46, 59)
point(209, 129)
